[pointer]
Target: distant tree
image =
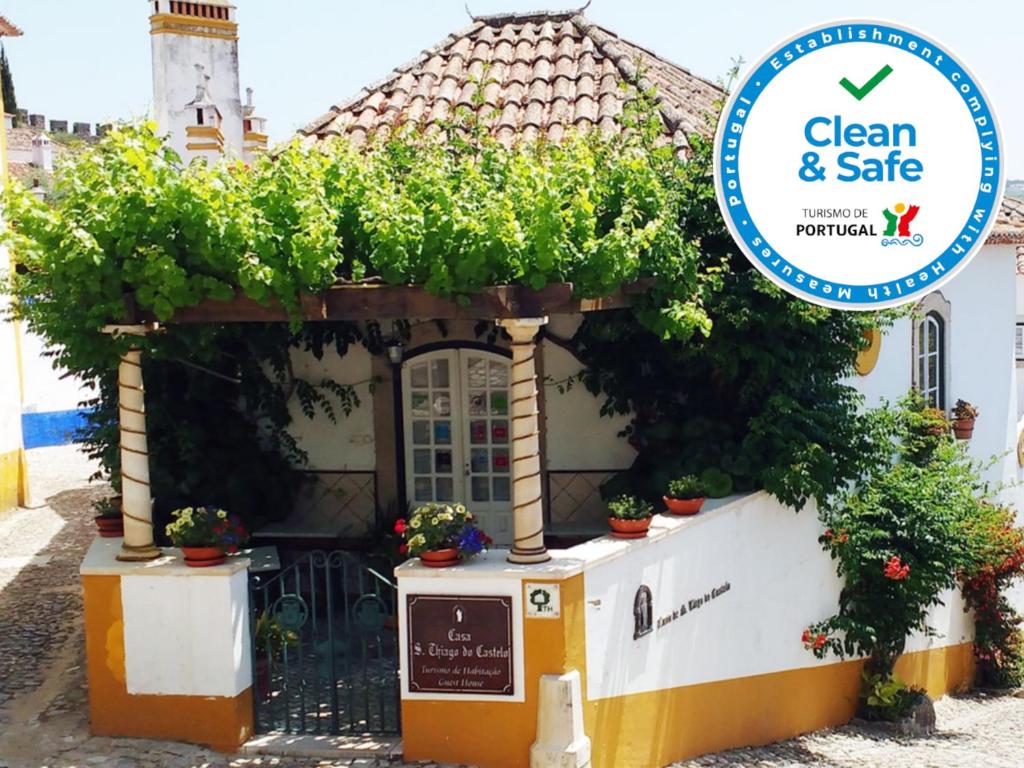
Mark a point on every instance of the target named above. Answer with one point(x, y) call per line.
point(7, 84)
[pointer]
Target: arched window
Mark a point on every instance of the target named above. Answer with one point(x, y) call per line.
point(931, 349)
point(930, 359)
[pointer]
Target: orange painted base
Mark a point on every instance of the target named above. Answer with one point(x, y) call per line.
point(651, 730)
point(223, 723)
point(655, 729)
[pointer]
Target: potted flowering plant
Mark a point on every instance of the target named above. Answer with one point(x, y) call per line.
point(441, 534)
point(964, 415)
point(108, 517)
point(629, 517)
point(205, 534)
point(685, 495)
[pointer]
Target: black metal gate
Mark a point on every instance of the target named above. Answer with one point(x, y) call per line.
point(325, 653)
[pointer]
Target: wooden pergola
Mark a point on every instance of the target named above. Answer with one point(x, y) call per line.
point(520, 310)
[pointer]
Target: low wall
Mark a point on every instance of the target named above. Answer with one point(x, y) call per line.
point(687, 642)
point(168, 652)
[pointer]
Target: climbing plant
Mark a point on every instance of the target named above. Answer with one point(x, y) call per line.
point(719, 367)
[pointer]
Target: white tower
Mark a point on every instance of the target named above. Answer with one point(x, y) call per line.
point(195, 77)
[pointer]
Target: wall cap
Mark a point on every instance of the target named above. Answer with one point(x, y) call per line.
point(565, 563)
point(101, 560)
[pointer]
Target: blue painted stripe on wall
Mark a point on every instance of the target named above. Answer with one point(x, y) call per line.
point(40, 430)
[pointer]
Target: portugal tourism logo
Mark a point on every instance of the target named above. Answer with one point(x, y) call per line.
point(897, 225)
point(841, 189)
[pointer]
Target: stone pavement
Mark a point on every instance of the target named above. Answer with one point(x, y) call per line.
point(43, 718)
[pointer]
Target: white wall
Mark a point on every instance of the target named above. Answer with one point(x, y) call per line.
point(46, 388)
point(349, 444)
point(578, 436)
point(981, 366)
point(779, 582)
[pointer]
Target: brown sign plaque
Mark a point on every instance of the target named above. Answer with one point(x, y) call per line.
point(460, 644)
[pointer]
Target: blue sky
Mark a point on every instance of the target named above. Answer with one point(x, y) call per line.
point(90, 61)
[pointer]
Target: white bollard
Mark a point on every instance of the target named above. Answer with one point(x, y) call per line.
point(561, 742)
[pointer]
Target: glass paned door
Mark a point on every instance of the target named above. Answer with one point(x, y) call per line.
point(487, 442)
point(458, 434)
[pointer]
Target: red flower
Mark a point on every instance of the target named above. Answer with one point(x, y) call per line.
point(805, 638)
point(828, 533)
point(403, 548)
point(843, 537)
point(400, 526)
point(819, 641)
point(895, 570)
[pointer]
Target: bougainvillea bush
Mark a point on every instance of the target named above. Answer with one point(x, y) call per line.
point(900, 538)
point(998, 642)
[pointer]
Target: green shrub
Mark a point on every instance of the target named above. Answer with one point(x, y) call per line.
point(687, 487)
point(718, 483)
point(629, 508)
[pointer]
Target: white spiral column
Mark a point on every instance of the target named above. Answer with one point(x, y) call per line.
point(137, 500)
point(527, 494)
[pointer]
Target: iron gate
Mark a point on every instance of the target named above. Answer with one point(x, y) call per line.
point(325, 653)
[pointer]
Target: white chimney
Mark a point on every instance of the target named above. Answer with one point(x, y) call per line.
point(42, 152)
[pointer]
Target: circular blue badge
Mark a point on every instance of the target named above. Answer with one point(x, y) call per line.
point(858, 165)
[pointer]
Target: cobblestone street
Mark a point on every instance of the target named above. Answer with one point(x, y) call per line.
point(43, 719)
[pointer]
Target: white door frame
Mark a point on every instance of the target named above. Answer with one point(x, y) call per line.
point(440, 408)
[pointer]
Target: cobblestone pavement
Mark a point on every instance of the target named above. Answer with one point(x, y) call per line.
point(43, 719)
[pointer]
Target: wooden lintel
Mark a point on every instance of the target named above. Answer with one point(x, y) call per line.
point(397, 302)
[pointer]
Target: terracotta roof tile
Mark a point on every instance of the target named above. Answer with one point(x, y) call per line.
point(1009, 228)
point(541, 71)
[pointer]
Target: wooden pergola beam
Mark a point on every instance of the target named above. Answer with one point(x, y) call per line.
point(397, 302)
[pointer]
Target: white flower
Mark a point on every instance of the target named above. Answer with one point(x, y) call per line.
point(222, 514)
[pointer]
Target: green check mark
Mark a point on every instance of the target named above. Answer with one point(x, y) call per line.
point(869, 86)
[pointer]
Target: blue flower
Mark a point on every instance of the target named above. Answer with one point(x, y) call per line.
point(471, 540)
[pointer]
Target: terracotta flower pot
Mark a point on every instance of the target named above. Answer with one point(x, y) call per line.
point(629, 529)
point(440, 558)
point(110, 527)
point(683, 506)
point(963, 428)
point(203, 557)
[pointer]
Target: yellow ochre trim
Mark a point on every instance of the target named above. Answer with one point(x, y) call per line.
point(189, 33)
point(205, 147)
point(205, 131)
point(262, 138)
point(658, 728)
point(867, 358)
point(221, 722)
point(198, 21)
point(12, 489)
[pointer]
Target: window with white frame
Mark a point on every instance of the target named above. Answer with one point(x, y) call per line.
point(1018, 342)
point(930, 361)
point(931, 349)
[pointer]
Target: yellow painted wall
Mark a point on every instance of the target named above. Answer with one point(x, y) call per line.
point(654, 729)
point(651, 730)
point(13, 474)
point(223, 723)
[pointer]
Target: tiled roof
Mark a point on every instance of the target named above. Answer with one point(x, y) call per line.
point(1009, 228)
point(7, 29)
point(540, 73)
